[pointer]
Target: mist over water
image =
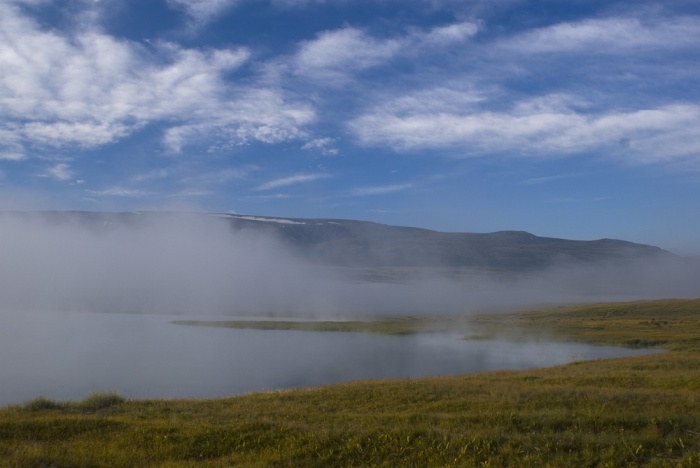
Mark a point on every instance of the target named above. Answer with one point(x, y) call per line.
point(161, 265)
point(68, 355)
point(75, 302)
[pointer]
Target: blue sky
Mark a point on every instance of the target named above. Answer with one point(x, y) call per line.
point(576, 119)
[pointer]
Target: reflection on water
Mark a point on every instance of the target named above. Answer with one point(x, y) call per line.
point(70, 355)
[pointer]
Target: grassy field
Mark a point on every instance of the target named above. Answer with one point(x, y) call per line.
point(641, 411)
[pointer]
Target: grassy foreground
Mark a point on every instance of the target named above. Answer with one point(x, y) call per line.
point(641, 411)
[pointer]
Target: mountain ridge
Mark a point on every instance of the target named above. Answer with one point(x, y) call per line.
point(367, 244)
point(363, 243)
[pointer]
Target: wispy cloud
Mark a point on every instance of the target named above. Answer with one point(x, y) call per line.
point(94, 89)
point(11, 156)
point(551, 178)
point(380, 189)
point(609, 35)
point(203, 11)
point(537, 128)
point(220, 177)
point(333, 54)
point(275, 196)
point(119, 192)
point(324, 145)
point(192, 193)
point(155, 174)
point(60, 172)
point(292, 180)
point(452, 33)
point(257, 115)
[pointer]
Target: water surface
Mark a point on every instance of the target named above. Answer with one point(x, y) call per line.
point(70, 355)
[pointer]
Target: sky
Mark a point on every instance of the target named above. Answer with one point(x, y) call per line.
point(573, 119)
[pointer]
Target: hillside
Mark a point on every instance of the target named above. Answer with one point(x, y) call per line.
point(367, 244)
point(351, 243)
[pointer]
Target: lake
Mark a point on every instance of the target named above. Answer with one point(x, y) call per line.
point(70, 355)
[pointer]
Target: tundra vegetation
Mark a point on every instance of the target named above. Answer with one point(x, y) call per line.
point(638, 411)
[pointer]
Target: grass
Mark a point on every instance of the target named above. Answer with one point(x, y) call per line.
point(392, 326)
point(667, 324)
point(640, 411)
point(94, 402)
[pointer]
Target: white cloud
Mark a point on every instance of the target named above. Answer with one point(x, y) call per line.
point(333, 54)
point(203, 11)
point(380, 190)
point(276, 196)
point(256, 115)
point(192, 193)
point(60, 172)
point(292, 180)
point(457, 32)
point(11, 148)
point(11, 156)
point(324, 145)
point(548, 126)
point(92, 89)
point(119, 192)
point(85, 134)
point(609, 35)
point(221, 177)
point(337, 58)
point(546, 179)
point(437, 100)
point(155, 174)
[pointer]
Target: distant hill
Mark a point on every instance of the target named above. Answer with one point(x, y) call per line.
point(366, 244)
point(351, 243)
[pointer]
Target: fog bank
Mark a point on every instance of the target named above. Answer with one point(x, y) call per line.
point(58, 272)
point(195, 264)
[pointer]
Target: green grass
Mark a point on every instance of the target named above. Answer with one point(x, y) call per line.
point(667, 324)
point(94, 402)
point(640, 411)
point(392, 326)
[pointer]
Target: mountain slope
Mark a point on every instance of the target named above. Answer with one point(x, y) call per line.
point(367, 244)
point(351, 243)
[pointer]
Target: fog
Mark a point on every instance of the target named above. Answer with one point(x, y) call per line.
point(86, 305)
point(173, 264)
point(195, 264)
point(144, 356)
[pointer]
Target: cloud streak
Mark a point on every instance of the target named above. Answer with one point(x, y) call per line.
point(203, 11)
point(335, 57)
point(612, 35)
point(534, 129)
point(292, 180)
point(119, 192)
point(380, 190)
